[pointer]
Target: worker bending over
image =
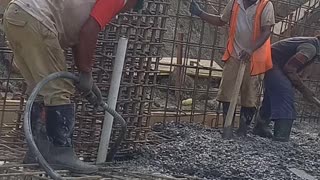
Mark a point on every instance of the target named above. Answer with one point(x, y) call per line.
point(39, 31)
point(289, 56)
point(249, 39)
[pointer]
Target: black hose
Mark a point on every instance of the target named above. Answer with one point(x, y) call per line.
point(27, 123)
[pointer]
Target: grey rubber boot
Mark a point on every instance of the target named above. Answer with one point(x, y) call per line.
point(246, 116)
point(262, 127)
point(38, 128)
point(282, 129)
point(61, 155)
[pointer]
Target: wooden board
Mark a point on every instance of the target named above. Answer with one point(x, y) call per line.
point(10, 112)
point(204, 67)
point(210, 118)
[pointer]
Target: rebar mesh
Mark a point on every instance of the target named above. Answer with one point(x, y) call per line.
point(145, 32)
point(172, 73)
point(202, 47)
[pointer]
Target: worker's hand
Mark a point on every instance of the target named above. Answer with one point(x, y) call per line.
point(195, 9)
point(85, 83)
point(245, 55)
point(94, 97)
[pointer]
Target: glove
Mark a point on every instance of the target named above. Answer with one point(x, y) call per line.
point(195, 9)
point(245, 55)
point(85, 83)
point(94, 97)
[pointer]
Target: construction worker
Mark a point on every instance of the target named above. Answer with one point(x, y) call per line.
point(290, 56)
point(39, 31)
point(249, 39)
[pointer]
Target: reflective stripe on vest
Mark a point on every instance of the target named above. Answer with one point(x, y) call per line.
point(261, 59)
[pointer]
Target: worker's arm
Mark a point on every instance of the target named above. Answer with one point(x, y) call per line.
point(102, 13)
point(305, 53)
point(209, 18)
point(84, 50)
point(212, 19)
point(267, 22)
point(83, 57)
point(265, 34)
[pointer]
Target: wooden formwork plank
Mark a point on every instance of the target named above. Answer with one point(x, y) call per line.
point(210, 118)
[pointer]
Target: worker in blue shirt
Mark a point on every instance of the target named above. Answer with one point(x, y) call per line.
point(290, 56)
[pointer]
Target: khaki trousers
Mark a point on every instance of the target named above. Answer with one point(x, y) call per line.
point(249, 88)
point(37, 54)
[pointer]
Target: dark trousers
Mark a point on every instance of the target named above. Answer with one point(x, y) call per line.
point(278, 101)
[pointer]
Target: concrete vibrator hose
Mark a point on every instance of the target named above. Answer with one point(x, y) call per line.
point(27, 123)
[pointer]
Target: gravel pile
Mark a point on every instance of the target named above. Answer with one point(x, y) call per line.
point(197, 152)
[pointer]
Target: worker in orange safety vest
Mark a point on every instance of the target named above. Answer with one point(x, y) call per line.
point(250, 24)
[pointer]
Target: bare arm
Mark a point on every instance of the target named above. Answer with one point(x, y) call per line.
point(305, 53)
point(291, 70)
point(215, 20)
point(212, 19)
point(85, 49)
point(83, 55)
point(265, 34)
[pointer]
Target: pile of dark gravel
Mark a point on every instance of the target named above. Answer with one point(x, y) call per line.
point(195, 151)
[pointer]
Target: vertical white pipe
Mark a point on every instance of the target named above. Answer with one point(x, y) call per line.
point(112, 99)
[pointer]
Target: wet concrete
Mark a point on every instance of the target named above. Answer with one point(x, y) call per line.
point(191, 150)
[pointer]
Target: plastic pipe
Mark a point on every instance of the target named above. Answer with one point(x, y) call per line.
point(112, 101)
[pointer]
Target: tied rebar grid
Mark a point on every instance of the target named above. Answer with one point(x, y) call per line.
point(145, 32)
point(147, 94)
point(202, 47)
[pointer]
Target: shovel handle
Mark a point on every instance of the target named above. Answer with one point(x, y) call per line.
point(235, 94)
point(316, 100)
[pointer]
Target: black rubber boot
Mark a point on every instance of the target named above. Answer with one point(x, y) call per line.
point(61, 155)
point(262, 127)
point(246, 116)
point(282, 129)
point(38, 128)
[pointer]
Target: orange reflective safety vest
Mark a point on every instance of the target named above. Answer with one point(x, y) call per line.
point(261, 60)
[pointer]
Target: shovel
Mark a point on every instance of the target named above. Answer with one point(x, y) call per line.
point(227, 130)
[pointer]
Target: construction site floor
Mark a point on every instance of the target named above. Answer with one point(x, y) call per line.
point(190, 151)
point(195, 152)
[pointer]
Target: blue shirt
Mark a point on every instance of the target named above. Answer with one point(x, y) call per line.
point(283, 50)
